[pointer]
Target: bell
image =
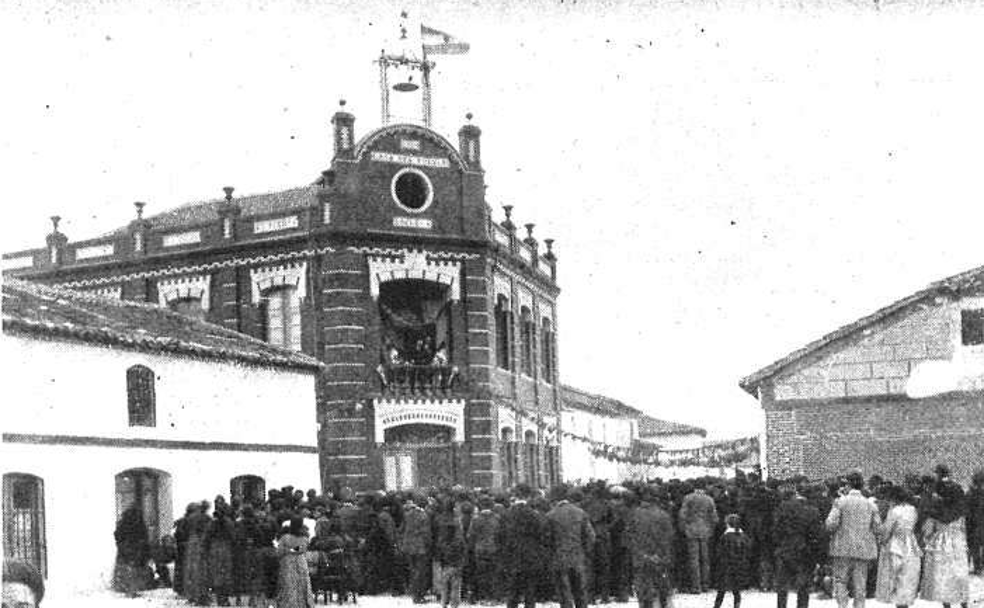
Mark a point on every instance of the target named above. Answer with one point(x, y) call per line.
point(408, 86)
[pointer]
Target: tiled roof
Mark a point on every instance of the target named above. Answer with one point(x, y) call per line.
point(200, 212)
point(41, 310)
point(971, 281)
point(606, 406)
point(654, 427)
point(598, 404)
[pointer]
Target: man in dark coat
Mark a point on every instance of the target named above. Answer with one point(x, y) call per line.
point(466, 512)
point(132, 552)
point(621, 570)
point(219, 541)
point(481, 538)
point(573, 540)
point(649, 535)
point(698, 520)
point(523, 541)
point(449, 553)
point(975, 522)
point(797, 530)
point(415, 546)
point(181, 542)
point(599, 511)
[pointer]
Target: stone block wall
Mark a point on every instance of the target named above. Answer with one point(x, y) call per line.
point(878, 363)
point(890, 436)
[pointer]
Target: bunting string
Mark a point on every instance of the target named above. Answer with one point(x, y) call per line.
point(710, 455)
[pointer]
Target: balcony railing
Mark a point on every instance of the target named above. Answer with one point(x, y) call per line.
point(408, 378)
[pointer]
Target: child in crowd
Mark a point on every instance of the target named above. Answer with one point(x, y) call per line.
point(733, 556)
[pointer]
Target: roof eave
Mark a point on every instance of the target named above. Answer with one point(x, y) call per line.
point(154, 345)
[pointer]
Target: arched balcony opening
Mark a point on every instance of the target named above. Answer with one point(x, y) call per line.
point(416, 337)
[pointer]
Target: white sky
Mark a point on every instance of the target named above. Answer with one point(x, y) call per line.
point(724, 185)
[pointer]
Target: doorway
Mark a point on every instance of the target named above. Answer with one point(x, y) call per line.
point(149, 490)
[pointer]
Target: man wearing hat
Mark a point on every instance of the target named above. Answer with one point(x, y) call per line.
point(415, 546)
point(853, 523)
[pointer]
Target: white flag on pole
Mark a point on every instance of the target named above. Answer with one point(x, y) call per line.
point(436, 42)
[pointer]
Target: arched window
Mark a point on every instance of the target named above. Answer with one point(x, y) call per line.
point(248, 488)
point(282, 317)
point(547, 351)
point(191, 307)
point(526, 336)
point(503, 318)
point(23, 519)
point(140, 398)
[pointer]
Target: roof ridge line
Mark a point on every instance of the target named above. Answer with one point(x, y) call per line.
point(749, 382)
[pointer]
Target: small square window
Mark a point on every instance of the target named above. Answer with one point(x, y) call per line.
point(972, 327)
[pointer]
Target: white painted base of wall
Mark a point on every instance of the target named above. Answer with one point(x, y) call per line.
point(80, 495)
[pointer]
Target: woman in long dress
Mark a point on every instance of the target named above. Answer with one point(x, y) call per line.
point(132, 553)
point(899, 553)
point(294, 581)
point(218, 543)
point(946, 572)
point(196, 575)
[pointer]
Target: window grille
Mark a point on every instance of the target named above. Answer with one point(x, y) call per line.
point(141, 402)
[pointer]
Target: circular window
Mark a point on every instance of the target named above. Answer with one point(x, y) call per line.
point(412, 190)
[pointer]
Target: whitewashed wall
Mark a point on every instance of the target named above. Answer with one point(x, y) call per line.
point(80, 495)
point(579, 464)
point(59, 388)
point(64, 388)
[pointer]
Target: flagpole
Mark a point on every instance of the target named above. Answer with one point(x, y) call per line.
point(425, 68)
point(384, 88)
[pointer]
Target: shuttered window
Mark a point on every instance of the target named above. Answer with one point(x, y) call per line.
point(283, 317)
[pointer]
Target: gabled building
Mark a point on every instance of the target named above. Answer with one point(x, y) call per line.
point(433, 322)
point(669, 435)
point(595, 423)
point(895, 392)
point(110, 404)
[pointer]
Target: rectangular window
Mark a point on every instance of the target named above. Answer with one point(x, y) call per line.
point(526, 336)
point(502, 319)
point(972, 327)
point(283, 317)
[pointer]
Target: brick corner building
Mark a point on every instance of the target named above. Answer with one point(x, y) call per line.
point(434, 323)
point(893, 393)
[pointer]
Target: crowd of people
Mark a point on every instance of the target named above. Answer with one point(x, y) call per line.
point(420, 365)
point(848, 537)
